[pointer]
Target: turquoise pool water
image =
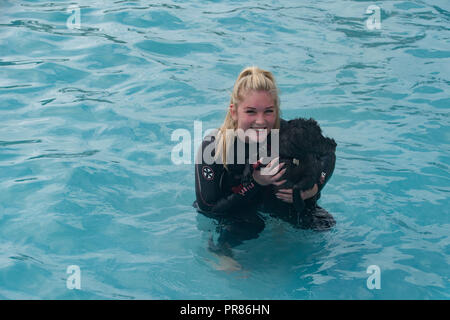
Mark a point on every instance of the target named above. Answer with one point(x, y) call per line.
point(90, 97)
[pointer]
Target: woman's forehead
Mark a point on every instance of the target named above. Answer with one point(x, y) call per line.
point(258, 99)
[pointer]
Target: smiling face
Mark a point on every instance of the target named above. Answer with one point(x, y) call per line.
point(256, 112)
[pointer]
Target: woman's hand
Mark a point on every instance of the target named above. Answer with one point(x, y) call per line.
point(270, 174)
point(286, 194)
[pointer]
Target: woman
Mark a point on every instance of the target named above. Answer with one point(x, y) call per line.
point(228, 188)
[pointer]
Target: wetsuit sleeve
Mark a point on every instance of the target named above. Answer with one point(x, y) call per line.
point(210, 195)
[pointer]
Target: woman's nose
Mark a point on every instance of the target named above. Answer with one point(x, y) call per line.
point(260, 119)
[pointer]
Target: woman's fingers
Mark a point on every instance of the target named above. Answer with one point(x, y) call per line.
point(272, 171)
point(272, 163)
point(285, 191)
point(278, 175)
point(309, 193)
point(279, 183)
point(285, 196)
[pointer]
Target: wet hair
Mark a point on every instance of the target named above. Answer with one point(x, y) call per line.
point(250, 79)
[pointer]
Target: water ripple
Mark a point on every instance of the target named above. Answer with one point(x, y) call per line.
point(9, 143)
point(66, 155)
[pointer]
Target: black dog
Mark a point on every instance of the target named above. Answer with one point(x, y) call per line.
point(303, 148)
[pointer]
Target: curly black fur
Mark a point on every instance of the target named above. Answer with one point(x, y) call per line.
point(302, 139)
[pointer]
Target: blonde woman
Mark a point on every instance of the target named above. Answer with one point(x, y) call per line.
point(227, 186)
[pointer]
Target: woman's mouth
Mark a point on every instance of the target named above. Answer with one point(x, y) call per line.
point(260, 132)
point(259, 129)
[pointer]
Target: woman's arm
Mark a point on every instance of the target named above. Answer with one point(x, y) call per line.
point(326, 170)
point(210, 196)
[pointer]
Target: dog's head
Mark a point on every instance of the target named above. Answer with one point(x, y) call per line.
point(299, 137)
point(301, 144)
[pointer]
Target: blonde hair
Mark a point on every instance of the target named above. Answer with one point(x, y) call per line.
point(250, 79)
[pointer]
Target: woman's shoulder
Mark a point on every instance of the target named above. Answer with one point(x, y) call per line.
point(207, 151)
point(210, 138)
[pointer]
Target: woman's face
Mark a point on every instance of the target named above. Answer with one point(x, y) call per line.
point(257, 112)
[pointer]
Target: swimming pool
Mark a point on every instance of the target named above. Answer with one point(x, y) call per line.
point(91, 93)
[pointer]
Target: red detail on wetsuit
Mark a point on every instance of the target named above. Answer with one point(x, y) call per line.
point(236, 189)
point(241, 189)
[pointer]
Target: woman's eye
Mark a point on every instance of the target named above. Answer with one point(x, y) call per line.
point(252, 111)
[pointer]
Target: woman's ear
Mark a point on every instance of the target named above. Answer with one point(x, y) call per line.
point(233, 112)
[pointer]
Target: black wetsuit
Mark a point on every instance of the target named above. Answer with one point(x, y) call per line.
point(229, 196)
point(233, 198)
